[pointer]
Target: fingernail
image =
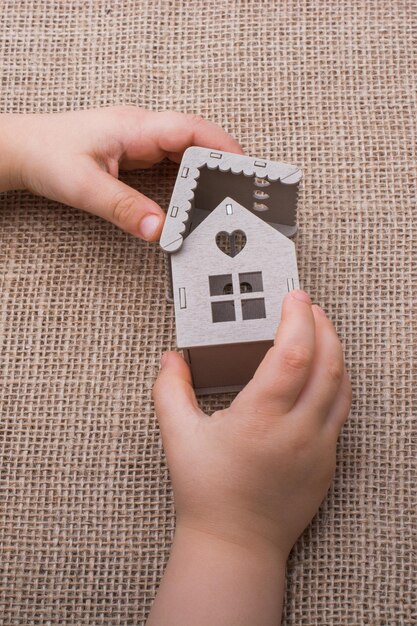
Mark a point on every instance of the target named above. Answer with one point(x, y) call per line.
point(319, 310)
point(164, 359)
point(300, 295)
point(149, 226)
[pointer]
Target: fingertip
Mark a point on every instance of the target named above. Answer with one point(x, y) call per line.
point(174, 364)
point(164, 360)
point(171, 359)
point(231, 144)
point(299, 295)
point(317, 310)
point(173, 393)
point(168, 365)
point(226, 143)
point(150, 226)
point(295, 303)
point(120, 204)
point(320, 318)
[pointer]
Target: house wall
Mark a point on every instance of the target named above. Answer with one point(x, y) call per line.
point(214, 185)
point(266, 251)
point(224, 368)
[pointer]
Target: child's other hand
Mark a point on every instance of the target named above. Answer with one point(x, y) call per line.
point(75, 158)
point(257, 472)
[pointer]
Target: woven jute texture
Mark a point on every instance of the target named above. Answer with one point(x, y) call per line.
point(86, 505)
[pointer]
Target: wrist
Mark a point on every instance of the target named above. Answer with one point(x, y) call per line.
point(239, 525)
point(10, 161)
point(211, 579)
point(244, 543)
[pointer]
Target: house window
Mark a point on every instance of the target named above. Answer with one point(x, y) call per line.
point(253, 309)
point(221, 285)
point(223, 311)
point(250, 282)
point(242, 305)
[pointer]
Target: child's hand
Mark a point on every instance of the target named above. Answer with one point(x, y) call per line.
point(253, 476)
point(261, 467)
point(75, 158)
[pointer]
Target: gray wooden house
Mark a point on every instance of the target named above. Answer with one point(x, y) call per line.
point(231, 261)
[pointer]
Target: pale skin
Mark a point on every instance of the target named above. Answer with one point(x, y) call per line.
point(247, 480)
point(75, 158)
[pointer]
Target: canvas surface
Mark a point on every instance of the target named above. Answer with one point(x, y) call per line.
point(86, 507)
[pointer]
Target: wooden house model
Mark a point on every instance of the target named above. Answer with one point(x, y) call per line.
point(230, 261)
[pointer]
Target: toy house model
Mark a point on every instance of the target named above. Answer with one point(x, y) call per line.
point(231, 261)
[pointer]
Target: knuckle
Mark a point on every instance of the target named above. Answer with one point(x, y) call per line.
point(122, 111)
point(196, 120)
point(335, 370)
point(301, 443)
point(123, 119)
point(175, 118)
point(348, 393)
point(117, 109)
point(297, 358)
point(318, 459)
point(328, 470)
point(121, 208)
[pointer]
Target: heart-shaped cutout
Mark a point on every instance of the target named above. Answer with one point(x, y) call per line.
point(231, 243)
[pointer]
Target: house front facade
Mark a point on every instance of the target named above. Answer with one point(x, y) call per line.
point(229, 279)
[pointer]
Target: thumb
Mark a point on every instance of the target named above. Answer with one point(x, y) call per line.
point(98, 192)
point(173, 393)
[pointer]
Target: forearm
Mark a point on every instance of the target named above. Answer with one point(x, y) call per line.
point(212, 581)
point(10, 167)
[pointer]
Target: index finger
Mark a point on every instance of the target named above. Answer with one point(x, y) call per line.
point(169, 134)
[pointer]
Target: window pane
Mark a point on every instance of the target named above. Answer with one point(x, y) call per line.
point(221, 284)
point(253, 309)
point(223, 311)
point(250, 281)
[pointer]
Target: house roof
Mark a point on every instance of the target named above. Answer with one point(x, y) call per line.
point(194, 159)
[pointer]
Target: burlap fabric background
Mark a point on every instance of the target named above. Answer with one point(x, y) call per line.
point(86, 506)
